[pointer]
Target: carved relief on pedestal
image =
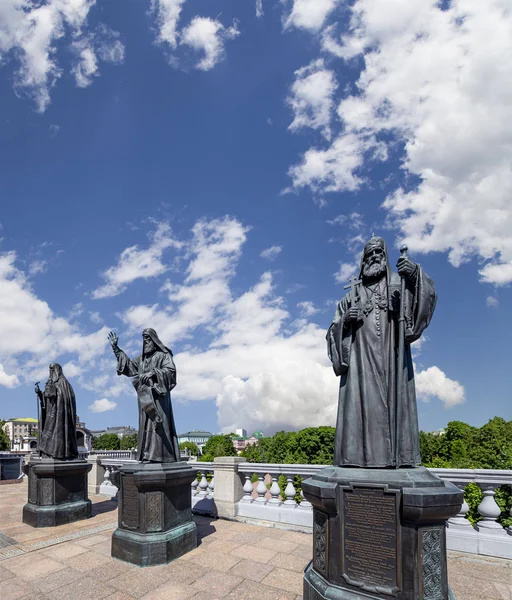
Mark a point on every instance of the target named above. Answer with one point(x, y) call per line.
point(431, 541)
point(320, 542)
point(46, 491)
point(154, 511)
point(32, 488)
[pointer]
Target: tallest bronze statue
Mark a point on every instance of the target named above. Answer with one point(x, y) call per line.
point(362, 343)
point(379, 516)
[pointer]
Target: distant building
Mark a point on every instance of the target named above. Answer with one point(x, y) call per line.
point(241, 442)
point(22, 433)
point(83, 436)
point(197, 436)
point(241, 433)
point(119, 430)
point(441, 431)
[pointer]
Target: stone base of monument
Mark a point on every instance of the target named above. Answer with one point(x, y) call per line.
point(155, 513)
point(57, 492)
point(379, 534)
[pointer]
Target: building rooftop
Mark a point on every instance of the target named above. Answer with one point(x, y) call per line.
point(22, 420)
point(195, 432)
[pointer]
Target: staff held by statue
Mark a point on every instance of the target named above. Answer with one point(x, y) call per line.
point(400, 358)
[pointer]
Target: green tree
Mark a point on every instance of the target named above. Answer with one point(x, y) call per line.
point(5, 444)
point(128, 442)
point(191, 447)
point(218, 445)
point(257, 453)
point(106, 441)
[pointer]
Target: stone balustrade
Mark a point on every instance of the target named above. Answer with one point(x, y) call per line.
point(225, 489)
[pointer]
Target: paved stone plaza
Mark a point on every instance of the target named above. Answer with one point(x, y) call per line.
point(233, 560)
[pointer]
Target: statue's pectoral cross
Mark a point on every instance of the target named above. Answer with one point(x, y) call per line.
point(352, 286)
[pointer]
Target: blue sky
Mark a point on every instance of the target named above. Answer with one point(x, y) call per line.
point(213, 169)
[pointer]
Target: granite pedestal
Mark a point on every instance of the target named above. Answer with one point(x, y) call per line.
point(155, 513)
point(379, 534)
point(57, 492)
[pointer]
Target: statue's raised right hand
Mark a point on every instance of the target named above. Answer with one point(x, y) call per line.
point(113, 339)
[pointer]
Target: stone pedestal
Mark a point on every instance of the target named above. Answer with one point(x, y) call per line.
point(57, 492)
point(155, 514)
point(379, 534)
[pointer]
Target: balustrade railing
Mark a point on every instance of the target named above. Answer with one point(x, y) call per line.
point(202, 489)
point(272, 493)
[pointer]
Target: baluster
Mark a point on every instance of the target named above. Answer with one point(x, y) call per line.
point(460, 518)
point(211, 486)
point(490, 511)
point(274, 491)
point(289, 491)
point(247, 488)
point(304, 503)
point(106, 475)
point(203, 484)
point(261, 489)
point(194, 485)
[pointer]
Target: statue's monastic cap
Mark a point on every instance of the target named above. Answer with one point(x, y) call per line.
point(374, 242)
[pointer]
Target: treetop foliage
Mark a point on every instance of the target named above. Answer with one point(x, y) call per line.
point(218, 445)
point(5, 443)
point(465, 447)
point(313, 445)
point(106, 441)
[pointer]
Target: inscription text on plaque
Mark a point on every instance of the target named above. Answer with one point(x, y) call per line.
point(130, 503)
point(370, 538)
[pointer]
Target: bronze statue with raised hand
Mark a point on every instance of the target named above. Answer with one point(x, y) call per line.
point(154, 376)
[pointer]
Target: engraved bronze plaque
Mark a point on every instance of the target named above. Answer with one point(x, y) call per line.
point(130, 518)
point(370, 539)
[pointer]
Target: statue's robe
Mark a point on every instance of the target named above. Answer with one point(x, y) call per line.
point(364, 355)
point(57, 437)
point(157, 438)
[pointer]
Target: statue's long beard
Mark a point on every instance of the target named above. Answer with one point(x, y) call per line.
point(374, 271)
point(149, 348)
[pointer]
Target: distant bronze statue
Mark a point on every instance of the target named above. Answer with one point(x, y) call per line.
point(57, 420)
point(369, 346)
point(154, 376)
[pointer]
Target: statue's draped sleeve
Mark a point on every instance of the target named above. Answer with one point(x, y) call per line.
point(164, 374)
point(339, 336)
point(420, 302)
point(126, 366)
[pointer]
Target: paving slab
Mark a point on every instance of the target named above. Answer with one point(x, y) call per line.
point(233, 560)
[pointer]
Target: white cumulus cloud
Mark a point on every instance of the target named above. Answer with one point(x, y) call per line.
point(103, 405)
point(427, 84)
point(167, 16)
point(136, 263)
point(7, 380)
point(346, 271)
point(312, 97)
point(32, 334)
point(209, 37)
point(271, 253)
point(433, 382)
point(30, 31)
point(309, 14)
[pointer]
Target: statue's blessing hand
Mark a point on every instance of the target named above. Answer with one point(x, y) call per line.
point(113, 339)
